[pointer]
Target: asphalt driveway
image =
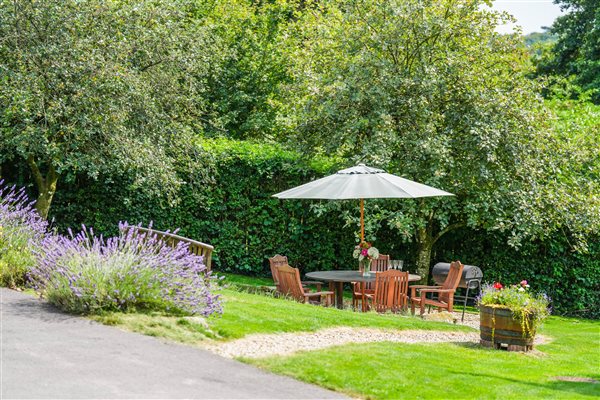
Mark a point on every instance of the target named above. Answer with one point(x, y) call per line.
point(48, 354)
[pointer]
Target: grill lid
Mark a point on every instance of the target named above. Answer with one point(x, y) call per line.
point(440, 272)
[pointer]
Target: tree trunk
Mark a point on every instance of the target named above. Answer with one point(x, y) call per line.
point(46, 186)
point(424, 246)
point(425, 242)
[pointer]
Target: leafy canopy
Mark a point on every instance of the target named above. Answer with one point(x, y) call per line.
point(428, 90)
point(576, 52)
point(91, 86)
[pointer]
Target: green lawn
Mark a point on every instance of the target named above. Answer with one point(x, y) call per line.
point(435, 371)
point(235, 279)
point(392, 370)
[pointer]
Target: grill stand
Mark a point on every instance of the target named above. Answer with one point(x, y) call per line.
point(471, 285)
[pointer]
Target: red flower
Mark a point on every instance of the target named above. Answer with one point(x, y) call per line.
point(498, 285)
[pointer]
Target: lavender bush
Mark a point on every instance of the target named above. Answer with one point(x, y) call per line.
point(21, 230)
point(87, 274)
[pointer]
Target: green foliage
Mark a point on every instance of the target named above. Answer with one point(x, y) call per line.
point(112, 100)
point(227, 202)
point(572, 181)
point(15, 261)
point(232, 210)
point(243, 93)
point(533, 39)
point(576, 53)
point(428, 90)
point(569, 278)
point(93, 86)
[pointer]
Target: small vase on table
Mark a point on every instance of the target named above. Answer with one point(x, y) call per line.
point(366, 267)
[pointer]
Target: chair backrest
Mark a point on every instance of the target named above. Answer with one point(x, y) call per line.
point(289, 282)
point(391, 291)
point(274, 262)
point(379, 265)
point(452, 280)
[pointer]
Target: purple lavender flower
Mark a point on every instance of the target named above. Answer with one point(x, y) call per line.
point(21, 229)
point(133, 270)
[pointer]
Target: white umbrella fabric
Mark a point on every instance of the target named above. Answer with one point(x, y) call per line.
point(361, 182)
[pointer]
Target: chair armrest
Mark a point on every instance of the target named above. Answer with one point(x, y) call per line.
point(413, 289)
point(424, 287)
point(437, 290)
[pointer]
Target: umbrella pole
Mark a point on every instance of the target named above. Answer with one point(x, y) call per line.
point(362, 220)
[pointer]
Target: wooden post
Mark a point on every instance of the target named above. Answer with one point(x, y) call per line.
point(362, 220)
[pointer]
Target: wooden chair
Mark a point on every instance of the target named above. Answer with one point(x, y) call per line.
point(445, 298)
point(290, 285)
point(379, 265)
point(279, 260)
point(391, 292)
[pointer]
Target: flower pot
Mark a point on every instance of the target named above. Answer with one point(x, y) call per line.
point(499, 329)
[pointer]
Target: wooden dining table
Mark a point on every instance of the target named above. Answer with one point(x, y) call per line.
point(339, 277)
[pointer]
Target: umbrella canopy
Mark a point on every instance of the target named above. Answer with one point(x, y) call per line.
point(361, 182)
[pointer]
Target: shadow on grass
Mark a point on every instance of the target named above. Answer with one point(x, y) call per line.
point(582, 388)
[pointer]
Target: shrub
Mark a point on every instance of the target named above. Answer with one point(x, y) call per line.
point(21, 228)
point(84, 273)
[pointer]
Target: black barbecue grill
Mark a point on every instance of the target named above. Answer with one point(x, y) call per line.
point(470, 280)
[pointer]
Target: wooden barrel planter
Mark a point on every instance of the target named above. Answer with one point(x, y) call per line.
point(499, 329)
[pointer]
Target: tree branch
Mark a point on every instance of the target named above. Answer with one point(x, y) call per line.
point(447, 229)
point(150, 65)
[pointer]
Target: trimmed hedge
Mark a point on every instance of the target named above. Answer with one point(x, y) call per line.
point(226, 201)
point(572, 280)
point(232, 209)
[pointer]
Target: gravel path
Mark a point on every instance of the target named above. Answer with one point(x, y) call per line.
point(262, 345)
point(281, 344)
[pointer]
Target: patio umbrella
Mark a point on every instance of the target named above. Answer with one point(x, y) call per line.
point(361, 182)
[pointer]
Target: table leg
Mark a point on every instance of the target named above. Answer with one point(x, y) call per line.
point(364, 298)
point(339, 295)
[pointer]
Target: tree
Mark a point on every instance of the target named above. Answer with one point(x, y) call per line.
point(577, 50)
point(428, 90)
point(90, 86)
point(243, 93)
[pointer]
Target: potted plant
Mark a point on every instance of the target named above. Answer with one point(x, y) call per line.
point(365, 253)
point(511, 315)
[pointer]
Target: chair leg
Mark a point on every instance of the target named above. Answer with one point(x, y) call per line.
point(422, 309)
point(412, 307)
point(465, 304)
